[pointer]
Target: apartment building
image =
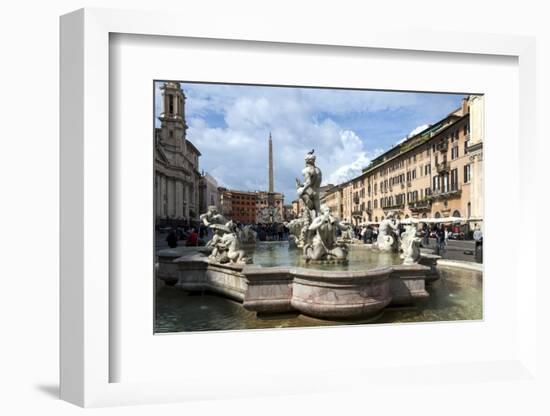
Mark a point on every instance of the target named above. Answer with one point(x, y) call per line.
point(436, 173)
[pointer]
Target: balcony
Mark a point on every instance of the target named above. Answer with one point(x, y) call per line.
point(423, 205)
point(357, 213)
point(395, 206)
point(443, 167)
point(453, 191)
point(442, 146)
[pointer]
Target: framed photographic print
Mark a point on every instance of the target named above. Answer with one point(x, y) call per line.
point(281, 213)
point(370, 234)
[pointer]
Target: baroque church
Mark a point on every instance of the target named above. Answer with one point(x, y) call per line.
point(176, 163)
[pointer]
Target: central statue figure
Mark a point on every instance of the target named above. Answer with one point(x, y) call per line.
point(308, 191)
point(316, 229)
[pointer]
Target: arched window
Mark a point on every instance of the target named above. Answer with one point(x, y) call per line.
point(406, 216)
point(437, 215)
point(456, 213)
point(424, 215)
point(375, 219)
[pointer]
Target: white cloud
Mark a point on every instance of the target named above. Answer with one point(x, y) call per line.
point(413, 132)
point(418, 129)
point(230, 126)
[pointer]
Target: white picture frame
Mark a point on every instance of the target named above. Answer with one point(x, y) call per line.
point(86, 304)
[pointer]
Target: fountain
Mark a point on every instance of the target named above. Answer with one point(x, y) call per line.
point(323, 276)
point(316, 228)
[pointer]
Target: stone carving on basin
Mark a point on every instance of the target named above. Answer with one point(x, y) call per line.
point(315, 230)
point(226, 244)
point(410, 245)
point(388, 234)
point(347, 236)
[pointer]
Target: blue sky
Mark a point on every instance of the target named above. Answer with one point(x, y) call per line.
point(230, 125)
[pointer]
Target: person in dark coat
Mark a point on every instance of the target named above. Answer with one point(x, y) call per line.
point(172, 239)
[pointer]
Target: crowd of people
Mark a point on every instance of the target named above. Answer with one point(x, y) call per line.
point(199, 234)
point(271, 232)
point(442, 233)
point(191, 235)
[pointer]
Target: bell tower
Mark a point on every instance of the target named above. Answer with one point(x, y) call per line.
point(172, 116)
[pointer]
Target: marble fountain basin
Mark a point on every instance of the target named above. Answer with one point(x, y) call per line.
point(358, 290)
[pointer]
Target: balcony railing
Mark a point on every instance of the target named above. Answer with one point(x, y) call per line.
point(442, 146)
point(453, 191)
point(395, 205)
point(422, 205)
point(443, 167)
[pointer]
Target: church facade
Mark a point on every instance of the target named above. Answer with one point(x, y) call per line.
point(176, 164)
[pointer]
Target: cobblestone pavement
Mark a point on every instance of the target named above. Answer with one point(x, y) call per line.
point(463, 250)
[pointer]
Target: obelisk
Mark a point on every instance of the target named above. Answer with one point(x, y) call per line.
point(271, 187)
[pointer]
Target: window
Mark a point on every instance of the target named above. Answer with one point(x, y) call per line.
point(170, 104)
point(467, 173)
point(414, 173)
point(454, 152)
point(454, 179)
point(436, 183)
point(375, 203)
point(466, 144)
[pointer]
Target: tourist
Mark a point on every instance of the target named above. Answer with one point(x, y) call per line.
point(478, 238)
point(440, 240)
point(368, 235)
point(280, 231)
point(172, 238)
point(374, 234)
point(193, 238)
point(426, 240)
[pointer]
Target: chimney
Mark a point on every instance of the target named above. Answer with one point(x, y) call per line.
point(465, 107)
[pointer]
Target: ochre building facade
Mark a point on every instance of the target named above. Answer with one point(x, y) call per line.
point(437, 173)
